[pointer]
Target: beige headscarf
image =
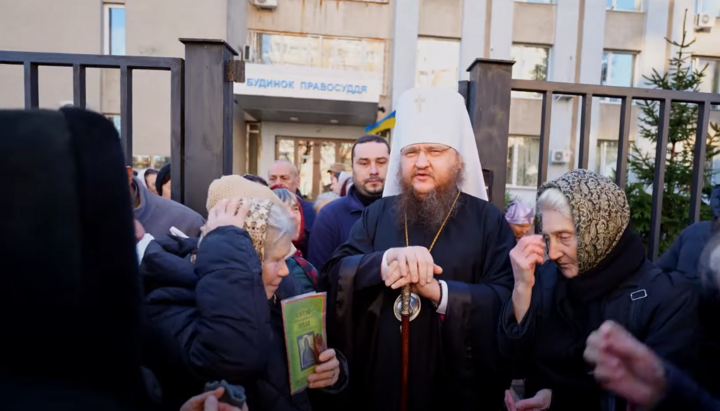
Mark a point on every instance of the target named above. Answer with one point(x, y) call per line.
point(600, 213)
point(261, 199)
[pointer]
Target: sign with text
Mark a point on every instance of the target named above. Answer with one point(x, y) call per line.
point(309, 83)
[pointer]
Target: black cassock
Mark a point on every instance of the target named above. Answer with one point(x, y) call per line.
point(454, 360)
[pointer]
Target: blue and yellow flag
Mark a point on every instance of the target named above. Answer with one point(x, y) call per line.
point(385, 124)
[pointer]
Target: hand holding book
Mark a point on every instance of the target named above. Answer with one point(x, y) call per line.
point(327, 372)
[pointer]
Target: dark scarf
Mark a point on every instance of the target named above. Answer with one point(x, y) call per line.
point(366, 200)
point(622, 262)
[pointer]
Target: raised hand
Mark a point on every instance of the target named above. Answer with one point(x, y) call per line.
point(327, 371)
point(527, 254)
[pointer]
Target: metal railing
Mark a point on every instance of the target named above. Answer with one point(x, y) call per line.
point(488, 95)
point(201, 140)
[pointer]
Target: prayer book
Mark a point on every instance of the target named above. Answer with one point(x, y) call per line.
point(304, 321)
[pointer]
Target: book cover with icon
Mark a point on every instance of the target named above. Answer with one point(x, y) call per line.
point(304, 324)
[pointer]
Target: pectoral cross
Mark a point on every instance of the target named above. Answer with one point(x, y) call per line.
point(419, 101)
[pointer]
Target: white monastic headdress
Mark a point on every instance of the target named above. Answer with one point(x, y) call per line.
point(435, 116)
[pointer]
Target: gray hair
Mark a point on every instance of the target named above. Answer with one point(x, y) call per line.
point(323, 199)
point(553, 199)
point(286, 196)
point(280, 225)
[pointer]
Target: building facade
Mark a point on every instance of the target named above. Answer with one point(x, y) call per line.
point(318, 71)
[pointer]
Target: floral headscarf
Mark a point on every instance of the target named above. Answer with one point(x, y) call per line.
point(261, 199)
point(600, 213)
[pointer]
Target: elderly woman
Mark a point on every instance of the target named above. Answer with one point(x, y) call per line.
point(302, 270)
point(597, 271)
point(520, 217)
point(338, 183)
point(219, 297)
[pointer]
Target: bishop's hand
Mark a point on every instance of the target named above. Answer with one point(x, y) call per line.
point(408, 265)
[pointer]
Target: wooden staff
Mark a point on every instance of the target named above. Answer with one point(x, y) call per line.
point(405, 355)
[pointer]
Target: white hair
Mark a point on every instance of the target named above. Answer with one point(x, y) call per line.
point(553, 199)
point(280, 225)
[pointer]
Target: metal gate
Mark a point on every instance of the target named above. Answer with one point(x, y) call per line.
point(201, 85)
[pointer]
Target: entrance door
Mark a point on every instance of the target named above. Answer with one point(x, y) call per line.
point(313, 158)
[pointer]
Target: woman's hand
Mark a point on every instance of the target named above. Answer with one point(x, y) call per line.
point(226, 213)
point(541, 401)
point(327, 372)
point(626, 366)
point(208, 401)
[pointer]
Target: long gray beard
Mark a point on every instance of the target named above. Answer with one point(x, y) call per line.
point(428, 212)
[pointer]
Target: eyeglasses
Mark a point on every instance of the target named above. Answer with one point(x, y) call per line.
point(430, 152)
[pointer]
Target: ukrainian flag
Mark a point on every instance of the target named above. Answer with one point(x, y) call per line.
point(385, 124)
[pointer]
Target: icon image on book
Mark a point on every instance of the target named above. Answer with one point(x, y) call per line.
point(305, 344)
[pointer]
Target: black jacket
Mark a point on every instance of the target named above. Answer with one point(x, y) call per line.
point(70, 303)
point(658, 308)
point(218, 312)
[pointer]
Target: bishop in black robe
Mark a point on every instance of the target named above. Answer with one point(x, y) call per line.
point(454, 360)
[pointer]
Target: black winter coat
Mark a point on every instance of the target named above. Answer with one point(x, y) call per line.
point(548, 346)
point(217, 310)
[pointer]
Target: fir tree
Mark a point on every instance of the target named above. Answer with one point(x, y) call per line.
point(679, 161)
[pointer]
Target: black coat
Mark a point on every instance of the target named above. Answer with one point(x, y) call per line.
point(549, 342)
point(218, 312)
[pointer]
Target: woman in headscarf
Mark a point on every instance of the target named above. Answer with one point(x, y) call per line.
point(520, 217)
point(596, 271)
point(220, 296)
point(300, 268)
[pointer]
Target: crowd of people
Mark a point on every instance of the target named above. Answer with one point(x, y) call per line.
point(155, 307)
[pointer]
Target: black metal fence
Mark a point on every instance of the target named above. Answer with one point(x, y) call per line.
point(200, 88)
point(488, 97)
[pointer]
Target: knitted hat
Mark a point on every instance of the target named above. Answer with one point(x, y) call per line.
point(261, 200)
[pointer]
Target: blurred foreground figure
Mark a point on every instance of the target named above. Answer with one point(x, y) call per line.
point(650, 380)
point(433, 219)
point(596, 271)
point(71, 299)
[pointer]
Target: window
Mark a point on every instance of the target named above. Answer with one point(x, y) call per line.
point(624, 5)
point(618, 69)
point(606, 158)
point(711, 7)
point(523, 154)
point(711, 81)
point(437, 63)
point(317, 51)
point(531, 63)
point(114, 29)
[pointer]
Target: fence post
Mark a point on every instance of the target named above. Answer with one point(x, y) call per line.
point(488, 102)
point(208, 118)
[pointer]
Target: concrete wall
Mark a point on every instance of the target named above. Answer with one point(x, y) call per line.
point(708, 43)
point(501, 29)
point(441, 18)
point(33, 25)
point(472, 43)
point(534, 23)
point(624, 30)
point(332, 18)
point(404, 47)
point(270, 131)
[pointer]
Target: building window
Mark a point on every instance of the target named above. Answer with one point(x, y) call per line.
point(336, 53)
point(711, 7)
point(522, 164)
point(624, 5)
point(606, 158)
point(618, 69)
point(437, 63)
point(531, 63)
point(114, 29)
point(711, 81)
